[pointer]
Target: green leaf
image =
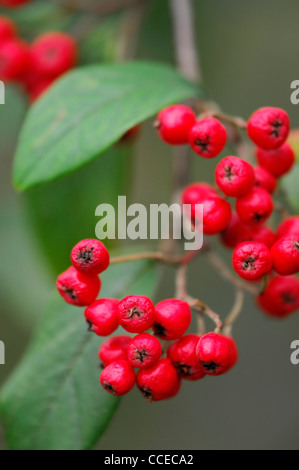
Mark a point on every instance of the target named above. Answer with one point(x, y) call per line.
point(54, 400)
point(87, 111)
point(290, 186)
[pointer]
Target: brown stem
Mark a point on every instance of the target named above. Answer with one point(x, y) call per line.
point(174, 260)
point(235, 312)
point(203, 308)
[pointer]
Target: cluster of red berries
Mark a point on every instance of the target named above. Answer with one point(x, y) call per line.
point(189, 357)
point(258, 250)
point(36, 66)
point(12, 3)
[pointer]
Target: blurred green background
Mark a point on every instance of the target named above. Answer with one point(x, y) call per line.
point(249, 59)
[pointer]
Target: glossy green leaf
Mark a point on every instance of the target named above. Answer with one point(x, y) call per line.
point(53, 400)
point(87, 111)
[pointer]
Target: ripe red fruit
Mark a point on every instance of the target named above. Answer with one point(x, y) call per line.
point(285, 255)
point(53, 54)
point(136, 313)
point(238, 231)
point(256, 206)
point(118, 378)
point(13, 3)
point(182, 354)
point(173, 318)
point(39, 89)
point(101, 316)
point(278, 162)
point(289, 227)
point(217, 353)
point(114, 349)
point(235, 177)
point(252, 260)
point(78, 288)
point(216, 215)
point(7, 29)
point(281, 297)
point(13, 59)
point(269, 128)
point(159, 381)
point(144, 351)
point(265, 179)
point(196, 193)
point(208, 137)
point(174, 123)
point(90, 256)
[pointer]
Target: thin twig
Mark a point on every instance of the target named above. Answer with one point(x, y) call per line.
point(104, 8)
point(174, 260)
point(203, 308)
point(181, 282)
point(130, 31)
point(235, 312)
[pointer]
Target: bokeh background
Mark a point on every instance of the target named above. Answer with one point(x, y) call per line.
point(249, 57)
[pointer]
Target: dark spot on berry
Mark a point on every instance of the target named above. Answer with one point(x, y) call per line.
point(288, 298)
point(210, 366)
point(70, 292)
point(296, 245)
point(203, 144)
point(183, 369)
point(107, 386)
point(249, 263)
point(135, 312)
point(159, 330)
point(276, 125)
point(228, 173)
point(101, 365)
point(89, 325)
point(157, 125)
point(85, 255)
point(140, 355)
point(257, 217)
point(147, 393)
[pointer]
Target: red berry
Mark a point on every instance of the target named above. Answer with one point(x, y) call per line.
point(174, 123)
point(196, 193)
point(13, 59)
point(234, 176)
point(252, 260)
point(269, 127)
point(182, 354)
point(144, 351)
point(114, 349)
point(278, 162)
point(90, 256)
point(217, 353)
point(173, 318)
point(281, 297)
point(216, 215)
point(78, 288)
point(36, 91)
point(8, 29)
point(264, 179)
point(208, 137)
point(289, 227)
point(159, 381)
point(101, 316)
point(13, 3)
point(136, 313)
point(285, 254)
point(237, 232)
point(118, 378)
point(256, 206)
point(53, 54)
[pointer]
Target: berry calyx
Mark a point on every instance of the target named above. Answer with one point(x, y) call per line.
point(173, 318)
point(101, 316)
point(118, 378)
point(255, 207)
point(279, 161)
point(136, 313)
point(144, 351)
point(265, 179)
point(269, 128)
point(8, 29)
point(289, 227)
point(217, 353)
point(252, 260)
point(114, 349)
point(235, 177)
point(77, 288)
point(158, 382)
point(208, 137)
point(281, 296)
point(53, 54)
point(182, 354)
point(285, 255)
point(90, 256)
point(13, 59)
point(174, 123)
